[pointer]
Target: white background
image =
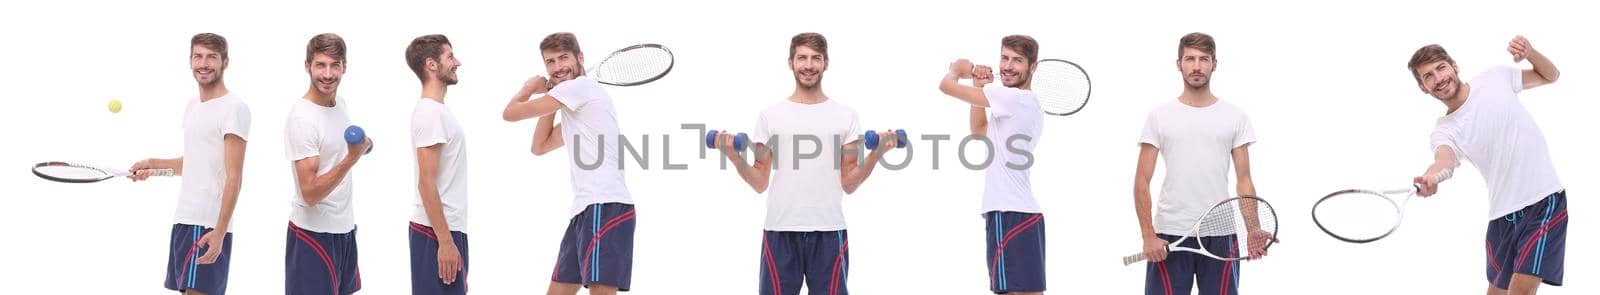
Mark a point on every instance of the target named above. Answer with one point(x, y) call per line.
point(1324, 84)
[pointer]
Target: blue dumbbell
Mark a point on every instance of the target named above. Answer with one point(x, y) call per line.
point(354, 135)
point(872, 139)
point(738, 140)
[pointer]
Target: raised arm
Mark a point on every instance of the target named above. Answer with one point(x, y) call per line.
point(1543, 72)
point(759, 174)
point(315, 187)
point(851, 173)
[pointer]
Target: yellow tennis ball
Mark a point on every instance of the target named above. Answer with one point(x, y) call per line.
point(115, 106)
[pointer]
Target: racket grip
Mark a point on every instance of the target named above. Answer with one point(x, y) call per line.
point(1443, 175)
point(1130, 259)
point(160, 172)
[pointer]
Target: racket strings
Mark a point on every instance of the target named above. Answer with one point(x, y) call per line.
point(635, 65)
point(1062, 88)
point(1242, 224)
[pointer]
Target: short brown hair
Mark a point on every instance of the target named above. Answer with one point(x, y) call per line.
point(1427, 55)
point(561, 41)
point(423, 48)
point(808, 39)
point(329, 44)
point(1200, 41)
point(1023, 45)
point(210, 41)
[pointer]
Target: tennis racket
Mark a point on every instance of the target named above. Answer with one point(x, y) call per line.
point(1362, 216)
point(634, 65)
point(1062, 87)
point(1225, 219)
point(80, 173)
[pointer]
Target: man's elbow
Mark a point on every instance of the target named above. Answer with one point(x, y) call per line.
point(509, 115)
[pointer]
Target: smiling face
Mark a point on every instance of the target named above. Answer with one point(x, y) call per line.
point(1436, 73)
point(326, 72)
point(1015, 69)
point(207, 65)
point(807, 64)
point(1439, 79)
point(446, 65)
point(562, 65)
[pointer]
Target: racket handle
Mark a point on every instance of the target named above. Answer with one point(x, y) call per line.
point(739, 140)
point(160, 172)
point(1443, 175)
point(1130, 259)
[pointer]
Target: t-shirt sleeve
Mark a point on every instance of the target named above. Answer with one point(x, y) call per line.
point(576, 93)
point(238, 122)
point(761, 133)
point(1152, 131)
point(1513, 78)
point(1244, 134)
point(300, 140)
point(1003, 101)
point(427, 128)
point(1443, 137)
point(855, 130)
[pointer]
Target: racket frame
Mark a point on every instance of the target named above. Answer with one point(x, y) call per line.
point(109, 173)
point(1087, 93)
point(1194, 231)
point(671, 61)
point(1388, 195)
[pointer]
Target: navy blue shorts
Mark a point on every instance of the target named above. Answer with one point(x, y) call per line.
point(820, 258)
point(1531, 241)
point(1178, 273)
point(320, 263)
point(598, 248)
point(1015, 252)
point(425, 262)
point(183, 270)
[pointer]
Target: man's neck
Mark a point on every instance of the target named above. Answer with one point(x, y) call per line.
point(1197, 97)
point(434, 90)
point(207, 93)
point(805, 95)
point(316, 97)
point(1455, 103)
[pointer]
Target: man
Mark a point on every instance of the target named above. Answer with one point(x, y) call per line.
point(439, 224)
point(215, 126)
point(320, 251)
point(805, 238)
point(1486, 124)
point(1014, 221)
point(1198, 134)
point(597, 250)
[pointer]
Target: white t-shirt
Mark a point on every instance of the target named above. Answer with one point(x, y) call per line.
point(808, 195)
point(431, 124)
point(1497, 134)
point(1012, 112)
point(1197, 146)
point(205, 124)
point(316, 131)
point(590, 115)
